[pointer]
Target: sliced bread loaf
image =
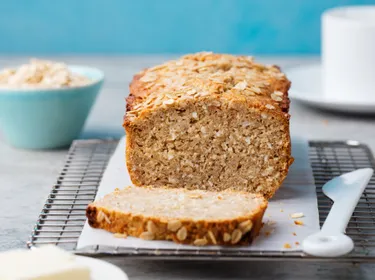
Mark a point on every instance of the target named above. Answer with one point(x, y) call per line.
point(193, 217)
point(211, 122)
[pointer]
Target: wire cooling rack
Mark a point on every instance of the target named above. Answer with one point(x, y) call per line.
point(63, 215)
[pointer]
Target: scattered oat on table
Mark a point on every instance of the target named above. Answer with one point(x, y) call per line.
point(268, 232)
point(297, 215)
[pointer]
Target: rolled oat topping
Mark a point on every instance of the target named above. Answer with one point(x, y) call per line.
point(200, 242)
point(226, 237)
point(203, 74)
point(147, 235)
point(181, 234)
point(236, 236)
point(174, 225)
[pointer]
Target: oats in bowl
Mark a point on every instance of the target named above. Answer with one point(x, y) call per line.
point(44, 105)
point(42, 74)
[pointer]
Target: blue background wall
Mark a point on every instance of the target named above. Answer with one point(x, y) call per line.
point(163, 26)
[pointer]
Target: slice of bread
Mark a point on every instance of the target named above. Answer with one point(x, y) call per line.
point(192, 217)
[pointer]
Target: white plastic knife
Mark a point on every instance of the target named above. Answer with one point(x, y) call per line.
point(345, 191)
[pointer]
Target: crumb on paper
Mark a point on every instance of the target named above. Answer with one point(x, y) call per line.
point(295, 234)
point(281, 210)
point(271, 222)
point(120, 235)
point(287, 246)
point(268, 232)
point(219, 197)
point(298, 223)
point(297, 215)
point(325, 122)
point(297, 243)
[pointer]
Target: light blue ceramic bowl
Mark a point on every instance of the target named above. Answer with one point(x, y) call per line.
point(47, 118)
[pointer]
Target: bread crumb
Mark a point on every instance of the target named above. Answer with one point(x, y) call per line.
point(287, 246)
point(325, 122)
point(281, 210)
point(298, 223)
point(297, 243)
point(297, 215)
point(295, 234)
point(271, 222)
point(219, 197)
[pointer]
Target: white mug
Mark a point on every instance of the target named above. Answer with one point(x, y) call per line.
point(348, 53)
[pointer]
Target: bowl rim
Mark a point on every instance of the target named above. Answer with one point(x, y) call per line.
point(41, 90)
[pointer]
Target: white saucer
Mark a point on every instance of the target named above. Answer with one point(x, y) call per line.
point(101, 270)
point(307, 88)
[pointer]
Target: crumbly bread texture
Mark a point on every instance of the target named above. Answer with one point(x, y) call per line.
point(192, 217)
point(209, 121)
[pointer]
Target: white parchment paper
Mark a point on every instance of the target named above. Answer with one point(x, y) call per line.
point(296, 195)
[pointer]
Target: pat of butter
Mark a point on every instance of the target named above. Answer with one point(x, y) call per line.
point(44, 263)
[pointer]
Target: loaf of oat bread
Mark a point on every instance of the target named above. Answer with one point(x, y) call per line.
point(209, 121)
point(192, 217)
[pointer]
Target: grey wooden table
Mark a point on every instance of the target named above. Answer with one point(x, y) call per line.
point(26, 176)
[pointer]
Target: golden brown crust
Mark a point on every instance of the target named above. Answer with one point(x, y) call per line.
point(242, 230)
point(201, 74)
